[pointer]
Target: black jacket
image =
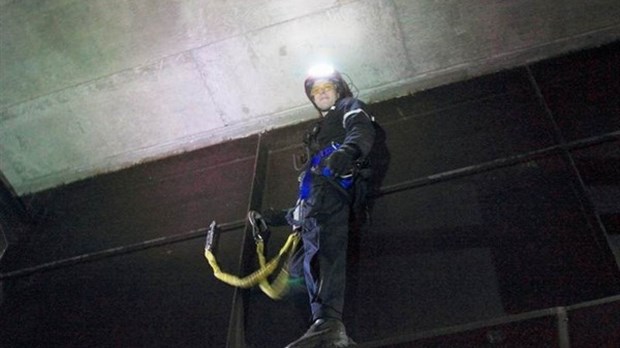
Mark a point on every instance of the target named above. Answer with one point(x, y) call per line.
point(347, 122)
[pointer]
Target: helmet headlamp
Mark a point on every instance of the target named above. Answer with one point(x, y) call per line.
point(321, 70)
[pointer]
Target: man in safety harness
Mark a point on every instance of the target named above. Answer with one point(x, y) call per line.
point(330, 188)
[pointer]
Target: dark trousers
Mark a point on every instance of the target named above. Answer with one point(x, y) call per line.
point(325, 236)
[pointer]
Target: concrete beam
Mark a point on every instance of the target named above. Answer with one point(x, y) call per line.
point(91, 87)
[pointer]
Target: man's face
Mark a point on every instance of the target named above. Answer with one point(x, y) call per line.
point(324, 94)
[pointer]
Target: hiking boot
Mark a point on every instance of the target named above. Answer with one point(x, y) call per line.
point(324, 333)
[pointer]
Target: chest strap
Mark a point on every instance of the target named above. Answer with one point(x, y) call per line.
point(316, 167)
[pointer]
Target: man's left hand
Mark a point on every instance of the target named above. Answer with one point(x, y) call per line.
point(341, 161)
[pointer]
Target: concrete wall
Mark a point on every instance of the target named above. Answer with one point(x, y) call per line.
point(92, 86)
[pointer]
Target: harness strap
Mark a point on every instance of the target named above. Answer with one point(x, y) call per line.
point(314, 167)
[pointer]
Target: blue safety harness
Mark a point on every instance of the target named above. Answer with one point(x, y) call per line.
point(315, 167)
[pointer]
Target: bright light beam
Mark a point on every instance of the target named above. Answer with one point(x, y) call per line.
point(321, 70)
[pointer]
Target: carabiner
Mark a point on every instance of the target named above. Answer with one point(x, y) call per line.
point(259, 225)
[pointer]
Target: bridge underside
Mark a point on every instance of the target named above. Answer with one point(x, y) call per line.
point(498, 223)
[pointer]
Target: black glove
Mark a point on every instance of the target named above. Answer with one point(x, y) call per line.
point(275, 217)
point(341, 161)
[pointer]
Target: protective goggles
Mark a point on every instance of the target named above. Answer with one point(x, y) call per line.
point(322, 87)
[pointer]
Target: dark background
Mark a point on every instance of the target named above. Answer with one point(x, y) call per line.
point(502, 198)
